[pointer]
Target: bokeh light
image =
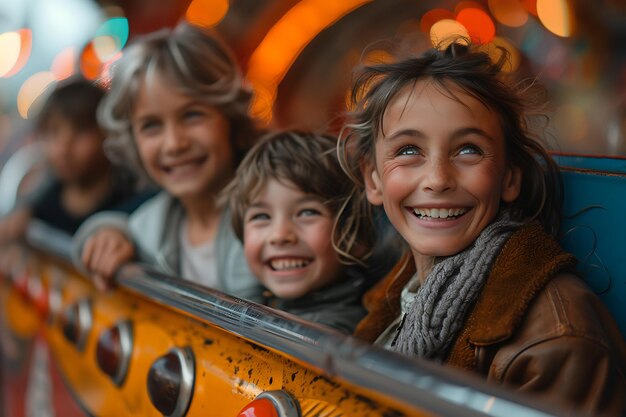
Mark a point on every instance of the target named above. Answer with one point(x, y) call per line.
point(531, 6)
point(64, 63)
point(105, 47)
point(31, 89)
point(15, 48)
point(509, 13)
point(494, 49)
point(10, 46)
point(555, 16)
point(446, 31)
point(283, 43)
point(90, 64)
point(479, 25)
point(206, 13)
point(110, 38)
point(433, 16)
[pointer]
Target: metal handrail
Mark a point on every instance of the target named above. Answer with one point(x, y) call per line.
point(417, 383)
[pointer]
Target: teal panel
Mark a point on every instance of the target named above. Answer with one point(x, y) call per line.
point(594, 229)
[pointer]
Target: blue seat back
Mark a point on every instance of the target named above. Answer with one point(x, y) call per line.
point(594, 228)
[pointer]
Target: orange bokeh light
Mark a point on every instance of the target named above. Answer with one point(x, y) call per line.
point(433, 16)
point(206, 13)
point(555, 16)
point(283, 43)
point(90, 64)
point(509, 13)
point(63, 65)
point(479, 25)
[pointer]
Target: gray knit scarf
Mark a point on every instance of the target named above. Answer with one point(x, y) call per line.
point(438, 311)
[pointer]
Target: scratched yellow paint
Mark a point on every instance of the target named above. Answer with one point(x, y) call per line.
point(230, 372)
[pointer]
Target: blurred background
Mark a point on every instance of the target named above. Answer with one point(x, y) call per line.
point(298, 54)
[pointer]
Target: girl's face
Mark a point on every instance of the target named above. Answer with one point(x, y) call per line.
point(287, 240)
point(440, 169)
point(184, 144)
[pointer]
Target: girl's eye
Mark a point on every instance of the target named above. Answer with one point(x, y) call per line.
point(470, 149)
point(308, 212)
point(408, 150)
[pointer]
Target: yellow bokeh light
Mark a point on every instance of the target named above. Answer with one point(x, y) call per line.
point(105, 47)
point(495, 52)
point(555, 16)
point(63, 64)
point(15, 50)
point(206, 13)
point(31, 89)
point(447, 31)
point(10, 46)
point(283, 43)
point(509, 13)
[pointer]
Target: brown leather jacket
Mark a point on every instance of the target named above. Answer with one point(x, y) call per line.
point(535, 328)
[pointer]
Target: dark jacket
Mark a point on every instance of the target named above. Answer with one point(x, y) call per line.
point(337, 305)
point(535, 328)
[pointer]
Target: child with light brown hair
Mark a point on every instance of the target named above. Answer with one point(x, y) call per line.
point(289, 203)
point(177, 110)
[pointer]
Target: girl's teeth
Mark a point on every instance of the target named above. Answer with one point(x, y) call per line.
point(438, 213)
point(288, 263)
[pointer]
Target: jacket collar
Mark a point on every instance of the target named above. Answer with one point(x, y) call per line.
point(528, 260)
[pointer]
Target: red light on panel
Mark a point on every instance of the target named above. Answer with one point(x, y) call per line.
point(76, 323)
point(272, 404)
point(114, 351)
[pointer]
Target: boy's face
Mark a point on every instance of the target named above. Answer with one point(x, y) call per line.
point(287, 241)
point(440, 169)
point(76, 156)
point(184, 144)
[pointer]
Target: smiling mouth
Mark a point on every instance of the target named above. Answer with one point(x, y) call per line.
point(181, 166)
point(287, 264)
point(438, 213)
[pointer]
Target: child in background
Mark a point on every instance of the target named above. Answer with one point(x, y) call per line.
point(443, 146)
point(178, 108)
point(83, 181)
point(288, 204)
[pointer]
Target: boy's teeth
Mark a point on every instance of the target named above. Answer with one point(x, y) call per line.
point(439, 213)
point(288, 263)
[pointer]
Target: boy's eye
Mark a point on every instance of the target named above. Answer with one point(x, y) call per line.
point(258, 216)
point(193, 114)
point(408, 150)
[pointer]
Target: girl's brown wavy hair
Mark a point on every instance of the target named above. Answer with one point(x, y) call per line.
point(518, 104)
